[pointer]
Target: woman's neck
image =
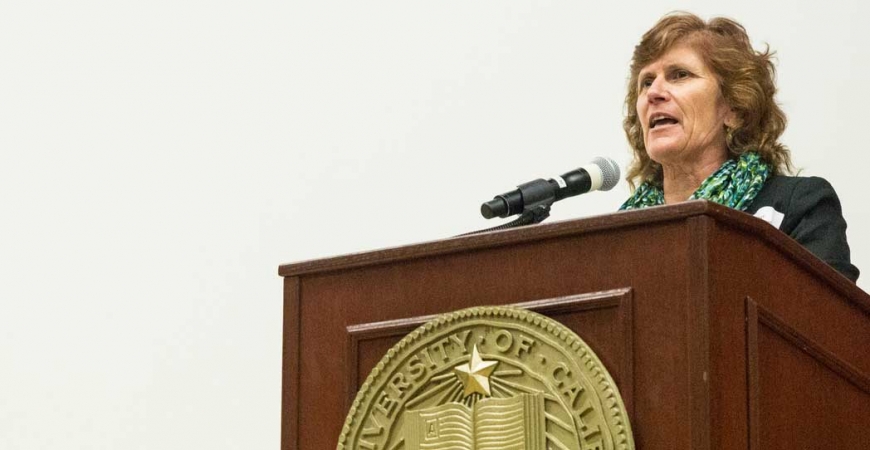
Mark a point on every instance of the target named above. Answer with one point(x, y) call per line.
point(681, 181)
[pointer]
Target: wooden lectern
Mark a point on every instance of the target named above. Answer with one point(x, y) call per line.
point(720, 331)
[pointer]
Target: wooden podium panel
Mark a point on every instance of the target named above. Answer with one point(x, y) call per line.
point(706, 318)
point(601, 314)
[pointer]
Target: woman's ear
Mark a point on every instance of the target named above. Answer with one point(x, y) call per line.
point(732, 119)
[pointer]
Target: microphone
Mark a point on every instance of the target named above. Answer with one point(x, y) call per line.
point(600, 174)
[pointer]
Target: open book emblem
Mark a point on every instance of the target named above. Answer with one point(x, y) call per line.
point(485, 379)
point(497, 424)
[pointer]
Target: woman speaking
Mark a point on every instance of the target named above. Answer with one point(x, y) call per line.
point(703, 124)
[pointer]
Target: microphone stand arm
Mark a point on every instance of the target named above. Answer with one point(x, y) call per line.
point(536, 214)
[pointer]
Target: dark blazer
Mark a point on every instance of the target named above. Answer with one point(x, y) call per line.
point(810, 213)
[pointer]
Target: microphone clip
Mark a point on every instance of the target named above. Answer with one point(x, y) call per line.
point(527, 196)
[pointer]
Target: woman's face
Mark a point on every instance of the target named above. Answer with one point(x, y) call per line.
point(681, 109)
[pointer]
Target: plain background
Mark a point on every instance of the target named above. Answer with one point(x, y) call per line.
point(160, 159)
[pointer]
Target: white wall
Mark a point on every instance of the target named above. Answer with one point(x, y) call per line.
point(160, 159)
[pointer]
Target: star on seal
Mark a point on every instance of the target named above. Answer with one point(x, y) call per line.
point(475, 374)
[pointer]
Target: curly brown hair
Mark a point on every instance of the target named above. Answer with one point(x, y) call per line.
point(746, 79)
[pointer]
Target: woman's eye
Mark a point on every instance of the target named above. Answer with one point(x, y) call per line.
point(681, 74)
point(646, 82)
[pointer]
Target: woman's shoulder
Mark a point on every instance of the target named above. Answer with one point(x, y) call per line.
point(782, 192)
point(780, 183)
point(808, 210)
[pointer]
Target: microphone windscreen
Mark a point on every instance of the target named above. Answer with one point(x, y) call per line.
point(609, 172)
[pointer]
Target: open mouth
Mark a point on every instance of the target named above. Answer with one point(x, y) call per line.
point(658, 120)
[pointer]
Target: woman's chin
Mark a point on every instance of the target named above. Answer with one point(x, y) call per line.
point(661, 152)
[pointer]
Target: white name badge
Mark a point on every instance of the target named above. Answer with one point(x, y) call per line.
point(770, 215)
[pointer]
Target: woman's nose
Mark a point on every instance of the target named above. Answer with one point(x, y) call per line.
point(657, 92)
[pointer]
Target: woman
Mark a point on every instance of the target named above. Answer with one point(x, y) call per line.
point(703, 124)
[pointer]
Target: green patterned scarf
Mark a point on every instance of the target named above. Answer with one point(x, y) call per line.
point(735, 185)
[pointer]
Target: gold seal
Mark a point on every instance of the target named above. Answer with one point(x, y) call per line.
point(488, 378)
